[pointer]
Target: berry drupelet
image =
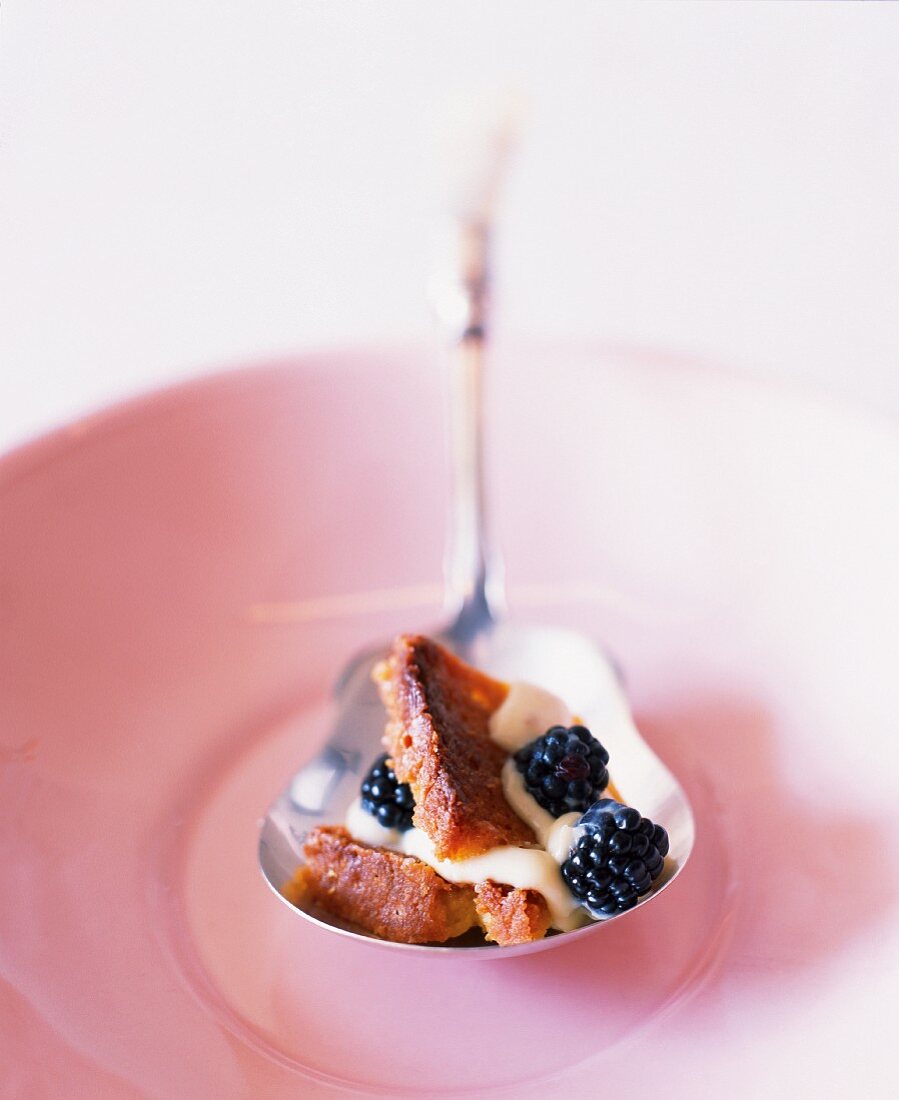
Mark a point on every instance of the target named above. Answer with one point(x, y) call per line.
point(565, 769)
point(386, 799)
point(616, 859)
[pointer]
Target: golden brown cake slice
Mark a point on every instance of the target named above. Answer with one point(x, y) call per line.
point(402, 899)
point(509, 915)
point(437, 734)
point(394, 896)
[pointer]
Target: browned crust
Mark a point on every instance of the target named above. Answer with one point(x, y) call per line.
point(509, 915)
point(438, 711)
point(395, 897)
point(402, 899)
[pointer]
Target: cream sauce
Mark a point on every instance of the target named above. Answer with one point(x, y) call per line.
point(527, 712)
point(524, 868)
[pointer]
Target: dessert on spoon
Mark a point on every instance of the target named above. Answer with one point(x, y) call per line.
point(453, 831)
point(481, 816)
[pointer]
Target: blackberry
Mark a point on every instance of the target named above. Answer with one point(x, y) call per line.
point(617, 858)
point(565, 769)
point(390, 802)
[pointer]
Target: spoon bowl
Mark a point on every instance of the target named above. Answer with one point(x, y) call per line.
point(564, 662)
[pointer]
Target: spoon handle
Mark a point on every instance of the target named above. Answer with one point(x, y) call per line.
point(472, 568)
point(479, 133)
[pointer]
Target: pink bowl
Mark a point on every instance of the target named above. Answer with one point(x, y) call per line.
point(182, 577)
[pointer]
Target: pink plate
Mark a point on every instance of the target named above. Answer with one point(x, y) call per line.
point(181, 579)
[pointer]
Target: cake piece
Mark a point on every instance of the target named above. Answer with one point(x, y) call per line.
point(393, 896)
point(402, 899)
point(508, 915)
point(437, 735)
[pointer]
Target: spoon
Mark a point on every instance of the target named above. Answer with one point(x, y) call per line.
point(566, 663)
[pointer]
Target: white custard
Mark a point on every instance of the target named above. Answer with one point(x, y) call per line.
point(563, 836)
point(557, 834)
point(365, 827)
point(525, 868)
point(527, 712)
point(524, 804)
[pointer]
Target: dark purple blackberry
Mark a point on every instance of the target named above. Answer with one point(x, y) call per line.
point(390, 802)
point(617, 858)
point(565, 769)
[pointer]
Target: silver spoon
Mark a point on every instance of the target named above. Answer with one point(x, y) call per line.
point(566, 663)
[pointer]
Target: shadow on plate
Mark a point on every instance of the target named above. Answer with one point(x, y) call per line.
point(790, 884)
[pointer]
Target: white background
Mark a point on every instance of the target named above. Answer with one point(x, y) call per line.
point(186, 185)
